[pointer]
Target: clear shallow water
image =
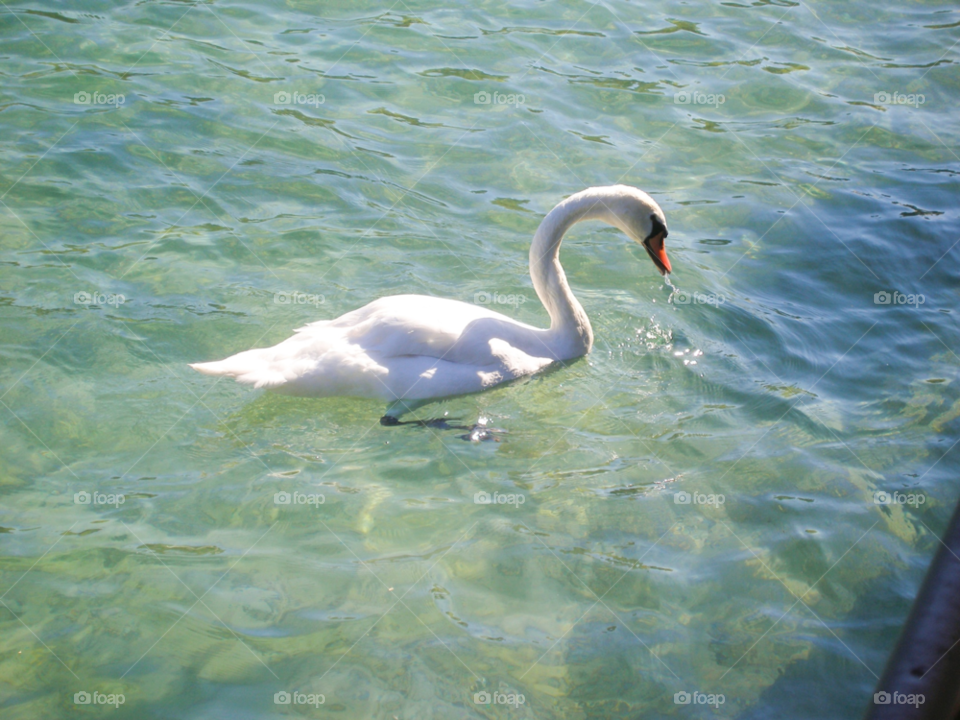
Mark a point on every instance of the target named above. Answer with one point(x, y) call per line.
point(199, 200)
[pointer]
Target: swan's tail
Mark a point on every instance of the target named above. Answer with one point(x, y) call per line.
point(252, 367)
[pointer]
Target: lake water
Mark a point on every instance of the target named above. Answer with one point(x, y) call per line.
point(182, 181)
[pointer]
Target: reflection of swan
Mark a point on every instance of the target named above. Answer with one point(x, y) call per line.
point(414, 347)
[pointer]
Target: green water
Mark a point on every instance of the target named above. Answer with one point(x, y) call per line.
point(204, 203)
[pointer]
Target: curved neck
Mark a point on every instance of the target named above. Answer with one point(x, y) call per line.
point(571, 334)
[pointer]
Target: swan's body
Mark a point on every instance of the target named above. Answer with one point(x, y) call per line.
point(415, 347)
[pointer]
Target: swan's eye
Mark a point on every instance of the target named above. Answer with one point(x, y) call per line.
point(656, 228)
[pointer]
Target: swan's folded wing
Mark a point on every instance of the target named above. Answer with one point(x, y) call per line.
point(414, 325)
point(405, 346)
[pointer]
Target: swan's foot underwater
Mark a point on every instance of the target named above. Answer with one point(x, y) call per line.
point(475, 433)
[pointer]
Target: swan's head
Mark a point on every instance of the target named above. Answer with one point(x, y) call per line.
point(642, 220)
point(635, 213)
point(631, 210)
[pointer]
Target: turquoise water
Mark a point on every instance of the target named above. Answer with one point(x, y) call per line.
point(198, 216)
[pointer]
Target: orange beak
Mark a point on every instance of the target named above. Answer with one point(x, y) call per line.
point(658, 252)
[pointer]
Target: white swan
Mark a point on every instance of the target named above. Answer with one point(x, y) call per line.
point(410, 348)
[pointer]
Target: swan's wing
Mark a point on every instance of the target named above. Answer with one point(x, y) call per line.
point(406, 346)
point(417, 325)
point(308, 365)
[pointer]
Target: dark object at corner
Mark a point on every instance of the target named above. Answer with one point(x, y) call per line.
point(926, 661)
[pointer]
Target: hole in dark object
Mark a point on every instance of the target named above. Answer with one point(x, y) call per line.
point(917, 672)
